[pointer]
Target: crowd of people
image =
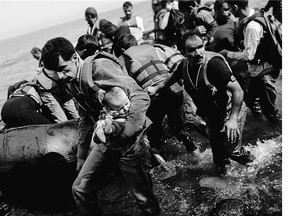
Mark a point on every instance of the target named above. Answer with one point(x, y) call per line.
point(121, 81)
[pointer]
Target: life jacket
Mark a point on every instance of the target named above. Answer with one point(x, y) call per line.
point(46, 82)
point(210, 101)
point(84, 90)
point(146, 66)
point(173, 57)
point(27, 89)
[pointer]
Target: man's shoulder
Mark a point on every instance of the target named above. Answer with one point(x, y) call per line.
point(251, 22)
point(254, 26)
point(216, 60)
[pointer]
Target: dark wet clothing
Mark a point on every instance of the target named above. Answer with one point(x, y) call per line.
point(213, 103)
point(22, 110)
point(168, 103)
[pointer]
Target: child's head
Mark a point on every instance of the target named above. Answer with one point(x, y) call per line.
point(36, 52)
point(116, 99)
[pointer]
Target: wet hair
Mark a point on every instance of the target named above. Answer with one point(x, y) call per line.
point(87, 42)
point(127, 4)
point(53, 49)
point(112, 93)
point(242, 4)
point(218, 4)
point(35, 50)
point(91, 12)
point(126, 41)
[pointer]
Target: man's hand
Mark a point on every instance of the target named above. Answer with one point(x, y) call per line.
point(224, 52)
point(151, 90)
point(80, 163)
point(232, 130)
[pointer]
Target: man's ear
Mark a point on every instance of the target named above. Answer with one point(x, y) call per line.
point(235, 7)
point(74, 57)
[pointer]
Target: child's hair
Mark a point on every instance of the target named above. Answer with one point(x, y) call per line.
point(35, 50)
point(112, 93)
point(87, 42)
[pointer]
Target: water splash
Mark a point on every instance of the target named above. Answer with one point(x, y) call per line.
point(196, 189)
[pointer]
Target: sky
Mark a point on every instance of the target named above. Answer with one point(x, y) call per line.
point(18, 17)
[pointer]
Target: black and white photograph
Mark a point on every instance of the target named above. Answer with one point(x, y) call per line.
point(142, 108)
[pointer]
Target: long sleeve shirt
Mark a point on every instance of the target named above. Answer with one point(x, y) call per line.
point(252, 36)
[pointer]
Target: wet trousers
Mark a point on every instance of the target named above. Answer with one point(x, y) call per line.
point(221, 148)
point(167, 103)
point(95, 175)
point(262, 87)
point(22, 110)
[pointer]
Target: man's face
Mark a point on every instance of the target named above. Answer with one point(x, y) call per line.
point(195, 50)
point(67, 70)
point(224, 14)
point(128, 12)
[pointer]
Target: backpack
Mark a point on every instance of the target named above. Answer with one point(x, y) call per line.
point(175, 26)
point(25, 88)
point(270, 47)
point(173, 31)
point(195, 13)
point(14, 87)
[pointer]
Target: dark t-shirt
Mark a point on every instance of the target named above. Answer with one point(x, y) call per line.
point(218, 73)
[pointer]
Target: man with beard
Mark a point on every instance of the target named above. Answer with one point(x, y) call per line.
point(209, 81)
